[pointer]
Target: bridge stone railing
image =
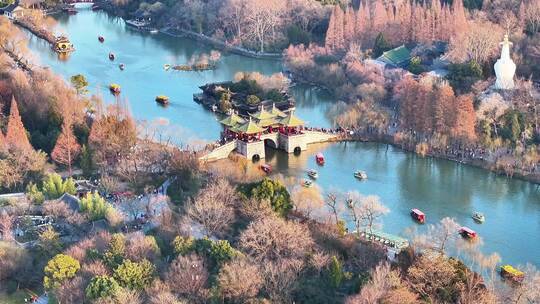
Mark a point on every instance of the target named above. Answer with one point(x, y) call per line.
point(313, 137)
point(220, 152)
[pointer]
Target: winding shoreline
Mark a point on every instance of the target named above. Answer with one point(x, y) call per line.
point(386, 139)
point(219, 44)
point(40, 33)
point(478, 163)
point(178, 33)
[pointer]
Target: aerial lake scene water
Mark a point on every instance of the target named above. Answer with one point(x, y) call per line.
point(403, 180)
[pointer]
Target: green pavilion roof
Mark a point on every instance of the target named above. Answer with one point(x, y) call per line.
point(277, 112)
point(399, 56)
point(232, 120)
point(291, 120)
point(268, 122)
point(249, 127)
point(263, 115)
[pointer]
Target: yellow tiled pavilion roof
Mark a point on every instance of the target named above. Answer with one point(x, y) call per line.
point(291, 121)
point(262, 115)
point(277, 112)
point(268, 122)
point(232, 120)
point(249, 128)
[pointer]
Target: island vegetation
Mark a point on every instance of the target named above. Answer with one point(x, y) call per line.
point(201, 62)
point(247, 93)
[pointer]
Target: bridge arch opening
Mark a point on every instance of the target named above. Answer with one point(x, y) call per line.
point(270, 143)
point(297, 150)
point(256, 158)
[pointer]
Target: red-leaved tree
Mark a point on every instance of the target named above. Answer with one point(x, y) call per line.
point(67, 148)
point(16, 133)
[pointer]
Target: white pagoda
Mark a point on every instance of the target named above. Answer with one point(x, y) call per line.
point(505, 68)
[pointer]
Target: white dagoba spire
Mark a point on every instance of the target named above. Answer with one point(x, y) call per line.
point(505, 68)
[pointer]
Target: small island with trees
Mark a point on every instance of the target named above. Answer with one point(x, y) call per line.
point(247, 93)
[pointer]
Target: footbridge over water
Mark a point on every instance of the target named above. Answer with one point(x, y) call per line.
point(290, 143)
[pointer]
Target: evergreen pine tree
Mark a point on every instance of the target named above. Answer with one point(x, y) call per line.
point(381, 45)
point(336, 272)
point(87, 162)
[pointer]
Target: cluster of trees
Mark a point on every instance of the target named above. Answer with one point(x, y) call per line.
point(259, 25)
point(257, 243)
point(19, 162)
point(434, 114)
point(252, 88)
point(406, 22)
point(348, 78)
point(433, 108)
point(40, 111)
point(43, 109)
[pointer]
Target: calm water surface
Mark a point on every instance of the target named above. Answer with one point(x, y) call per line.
point(403, 181)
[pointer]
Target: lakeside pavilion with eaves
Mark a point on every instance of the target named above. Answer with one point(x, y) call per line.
point(274, 128)
point(249, 135)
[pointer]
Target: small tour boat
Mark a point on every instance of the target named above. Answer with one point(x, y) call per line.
point(121, 66)
point(307, 183)
point(479, 217)
point(154, 31)
point(313, 173)
point(162, 99)
point(114, 88)
point(418, 215)
point(319, 158)
point(111, 56)
point(467, 233)
point(511, 273)
point(101, 39)
point(360, 174)
point(166, 67)
point(266, 168)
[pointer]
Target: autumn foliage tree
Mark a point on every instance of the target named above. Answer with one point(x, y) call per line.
point(67, 148)
point(111, 137)
point(433, 108)
point(402, 22)
point(466, 118)
point(16, 133)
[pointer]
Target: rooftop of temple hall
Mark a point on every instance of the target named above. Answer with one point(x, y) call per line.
point(263, 121)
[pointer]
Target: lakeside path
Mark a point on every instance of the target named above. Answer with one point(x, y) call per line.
point(219, 44)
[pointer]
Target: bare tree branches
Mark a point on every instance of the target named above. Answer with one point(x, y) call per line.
point(239, 280)
point(213, 207)
point(365, 211)
point(188, 277)
point(274, 239)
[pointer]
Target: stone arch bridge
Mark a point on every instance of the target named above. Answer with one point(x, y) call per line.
point(255, 149)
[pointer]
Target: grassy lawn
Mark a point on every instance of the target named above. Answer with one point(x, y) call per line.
point(14, 298)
